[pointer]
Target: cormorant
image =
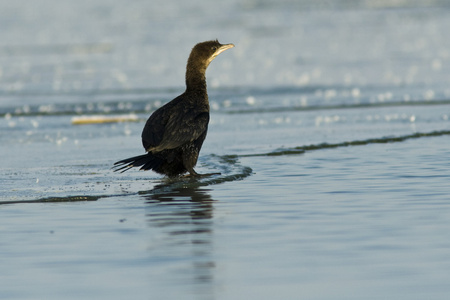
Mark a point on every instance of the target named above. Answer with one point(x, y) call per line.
point(174, 133)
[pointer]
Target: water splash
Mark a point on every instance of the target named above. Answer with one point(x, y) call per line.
point(229, 167)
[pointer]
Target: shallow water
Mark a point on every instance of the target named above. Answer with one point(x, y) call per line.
point(329, 125)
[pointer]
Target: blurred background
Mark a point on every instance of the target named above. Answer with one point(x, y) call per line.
point(64, 46)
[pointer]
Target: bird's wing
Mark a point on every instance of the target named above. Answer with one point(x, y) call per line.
point(173, 125)
point(179, 131)
point(154, 128)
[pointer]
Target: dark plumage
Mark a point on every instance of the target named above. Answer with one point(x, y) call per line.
point(174, 133)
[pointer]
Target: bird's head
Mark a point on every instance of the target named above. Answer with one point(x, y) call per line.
point(204, 53)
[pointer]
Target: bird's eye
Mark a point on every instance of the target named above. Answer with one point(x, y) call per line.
point(213, 48)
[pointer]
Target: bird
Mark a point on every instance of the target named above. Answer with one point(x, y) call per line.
point(174, 134)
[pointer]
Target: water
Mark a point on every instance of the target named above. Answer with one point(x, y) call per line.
point(329, 124)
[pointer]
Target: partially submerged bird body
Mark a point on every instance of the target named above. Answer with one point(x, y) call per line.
point(174, 133)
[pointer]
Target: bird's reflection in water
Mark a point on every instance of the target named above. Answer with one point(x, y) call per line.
point(184, 216)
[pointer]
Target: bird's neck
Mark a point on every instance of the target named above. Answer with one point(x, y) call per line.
point(196, 82)
point(195, 78)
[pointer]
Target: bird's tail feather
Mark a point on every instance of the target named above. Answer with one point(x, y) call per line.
point(147, 161)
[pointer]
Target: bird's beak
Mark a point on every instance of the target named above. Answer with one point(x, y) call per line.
point(223, 48)
point(219, 50)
